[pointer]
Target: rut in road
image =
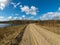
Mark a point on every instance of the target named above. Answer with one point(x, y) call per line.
point(18, 39)
point(35, 35)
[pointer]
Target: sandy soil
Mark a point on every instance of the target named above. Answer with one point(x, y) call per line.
point(35, 35)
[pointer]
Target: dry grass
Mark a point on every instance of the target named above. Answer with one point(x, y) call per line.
point(6, 31)
point(53, 27)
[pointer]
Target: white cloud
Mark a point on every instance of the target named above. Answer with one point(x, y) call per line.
point(59, 9)
point(25, 9)
point(10, 17)
point(33, 10)
point(2, 18)
point(16, 14)
point(2, 6)
point(23, 16)
point(15, 4)
point(20, 18)
point(21, 6)
point(29, 10)
point(50, 15)
point(3, 3)
point(15, 18)
point(30, 18)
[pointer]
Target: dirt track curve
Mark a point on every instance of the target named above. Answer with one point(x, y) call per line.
point(36, 35)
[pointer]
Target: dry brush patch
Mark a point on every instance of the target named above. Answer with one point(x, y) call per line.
point(10, 32)
point(53, 26)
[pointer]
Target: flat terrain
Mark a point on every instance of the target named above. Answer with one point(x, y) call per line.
point(52, 27)
point(32, 34)
point(35, 35)
point(7, 34)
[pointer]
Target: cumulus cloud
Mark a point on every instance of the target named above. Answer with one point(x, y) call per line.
point(15, 4)
point(50, 16)
point(3, 4)
point(29, 10)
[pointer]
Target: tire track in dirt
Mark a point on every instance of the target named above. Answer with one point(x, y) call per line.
point(38, 37)
point(35, 35)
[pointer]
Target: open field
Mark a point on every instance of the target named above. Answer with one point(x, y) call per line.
point(36, 35)
point(32, 33)
point(53, 26)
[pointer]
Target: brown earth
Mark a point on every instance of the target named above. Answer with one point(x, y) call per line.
point(35, 35)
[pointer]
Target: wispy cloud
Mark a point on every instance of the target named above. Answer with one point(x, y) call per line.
point(10, 17)
point(23, 17)
point(3, 18)
point(30, 18)
point(15, 18)
point(29, 10)
point(16, 14)
point(15, 4)
point(21, 6)
point(20, 18)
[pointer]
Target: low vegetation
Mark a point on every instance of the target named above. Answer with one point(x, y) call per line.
point(9, 33)
point(52, 25)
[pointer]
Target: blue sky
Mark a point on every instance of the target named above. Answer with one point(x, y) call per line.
point(29, 9)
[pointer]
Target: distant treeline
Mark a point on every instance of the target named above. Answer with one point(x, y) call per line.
point(31, 21)
point(49, 22)
point(20, 21)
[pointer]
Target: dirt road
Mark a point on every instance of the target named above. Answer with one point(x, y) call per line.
point(36, 35)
